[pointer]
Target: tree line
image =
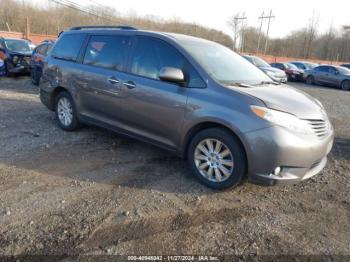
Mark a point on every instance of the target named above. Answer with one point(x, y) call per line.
point(304, 43)
point(51, 19)
point(54, 18)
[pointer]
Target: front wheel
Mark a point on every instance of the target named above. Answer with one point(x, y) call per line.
point(66, 113)
point(7, 72)
point(345, 85)
point(217, 158)
point(310, 80)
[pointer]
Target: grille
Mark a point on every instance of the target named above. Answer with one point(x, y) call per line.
point(25, 61)
point(320, 127)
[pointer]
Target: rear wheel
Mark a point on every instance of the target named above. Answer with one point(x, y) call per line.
point(217, 158)
point(345, 85)
point(34, 76)
point(66, 113)
point(310, 80)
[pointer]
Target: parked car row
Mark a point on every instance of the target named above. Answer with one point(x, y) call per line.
point(20, 56)
point(311, 73)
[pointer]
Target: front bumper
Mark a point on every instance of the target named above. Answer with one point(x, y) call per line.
point(20, 65)
point(282, 79)
point(19, 69)
point(297, 157)
point(295, 77)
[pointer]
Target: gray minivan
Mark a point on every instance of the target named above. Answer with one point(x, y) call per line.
point(191, 96)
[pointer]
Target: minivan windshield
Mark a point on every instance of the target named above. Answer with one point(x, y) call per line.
point(222, 64)
point(14, 45)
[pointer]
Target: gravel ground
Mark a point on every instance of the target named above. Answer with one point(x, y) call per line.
point(94, 192)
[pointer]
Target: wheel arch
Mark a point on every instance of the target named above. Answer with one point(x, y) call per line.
point(213, 124)
point(54, 94)
point(342, 82)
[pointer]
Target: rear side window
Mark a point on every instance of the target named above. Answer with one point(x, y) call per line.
point(151, 55)
point(107, 51)
point(322, 68)
point(68, 47)
point(332, 70)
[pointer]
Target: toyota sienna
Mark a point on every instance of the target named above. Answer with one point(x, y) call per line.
point(194, 97)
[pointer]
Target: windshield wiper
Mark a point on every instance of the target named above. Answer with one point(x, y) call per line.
point(268, 83)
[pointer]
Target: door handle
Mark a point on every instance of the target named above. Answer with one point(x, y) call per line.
point(130, 84)
point(113, 80)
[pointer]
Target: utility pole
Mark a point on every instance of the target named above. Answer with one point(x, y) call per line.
point(235, 22)
point(261, 18)
point(243, 19)
point(237, 19)
point(269, 17)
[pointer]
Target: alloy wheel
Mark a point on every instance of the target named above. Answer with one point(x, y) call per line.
point(345, 85)
point(65, 111)
point(214, 160)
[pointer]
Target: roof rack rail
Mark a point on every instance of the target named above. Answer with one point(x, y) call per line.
point(123, 27)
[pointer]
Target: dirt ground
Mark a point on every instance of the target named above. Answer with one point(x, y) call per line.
point(94, 192)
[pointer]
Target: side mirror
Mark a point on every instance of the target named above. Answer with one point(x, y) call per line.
point(336, 72)
point(172, 74)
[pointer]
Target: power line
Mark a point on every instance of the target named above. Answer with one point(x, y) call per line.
point(98, 4)
point(75, 6)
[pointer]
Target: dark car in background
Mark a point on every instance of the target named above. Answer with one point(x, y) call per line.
point(346, 65)
point(304, 65)
point(292, 71)
point(329, 75)
point(37, 61)
point(15, 56)
point(274, 73)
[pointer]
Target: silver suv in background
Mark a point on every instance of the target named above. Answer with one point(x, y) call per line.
point(274, 73)
point(337, 76)
point(191, 96)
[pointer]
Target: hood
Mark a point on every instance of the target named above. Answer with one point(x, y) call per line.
point(270, 68)
point(287, 99)
point(298, 70)
point(21, 53)
point(276, 71)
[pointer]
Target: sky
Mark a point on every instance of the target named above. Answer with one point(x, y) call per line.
point(289, 14)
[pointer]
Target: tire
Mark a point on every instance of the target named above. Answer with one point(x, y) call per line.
point(310, 80)
point(7, 73)
point(66, 113)
point(234, 173)
point(345, 85)
point(35, 77)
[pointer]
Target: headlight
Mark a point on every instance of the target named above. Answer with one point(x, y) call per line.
point(282, 119)
point(15, 59)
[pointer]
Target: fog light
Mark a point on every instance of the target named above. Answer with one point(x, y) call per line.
point(277, 171)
